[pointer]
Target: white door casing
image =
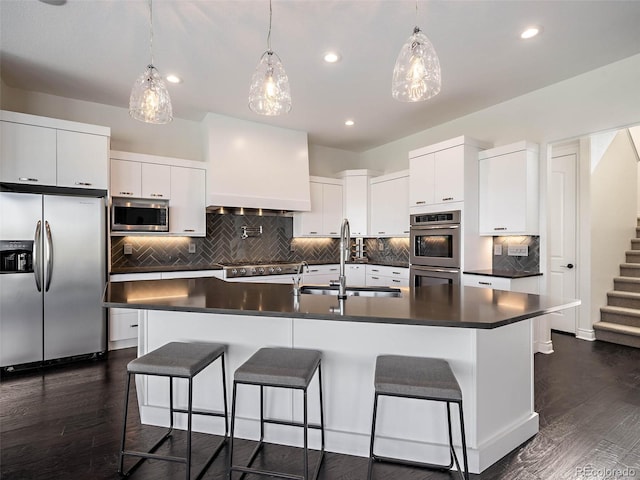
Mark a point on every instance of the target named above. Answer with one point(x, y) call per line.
point(562, 237)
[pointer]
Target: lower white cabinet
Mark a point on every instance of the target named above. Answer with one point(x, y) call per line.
point(356, 275)
point(524, 284)
point(384, 276)
point(123, 322)
point(321, 274)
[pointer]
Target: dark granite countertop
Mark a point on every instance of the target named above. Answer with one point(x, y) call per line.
point(165, 268)
point(503, 273)
point(440, 305)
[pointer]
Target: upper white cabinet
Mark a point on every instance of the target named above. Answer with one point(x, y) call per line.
point(326, 210)
point(356, 199)
point(389, 206)
point(187, 214)
point(156, 181)
point(509, 191)
point(46, 151)
point(140, 179)
point(443, 173)
point(126, 178)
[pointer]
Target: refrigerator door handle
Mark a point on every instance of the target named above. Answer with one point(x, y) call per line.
point(37, 250)
point(49, 256)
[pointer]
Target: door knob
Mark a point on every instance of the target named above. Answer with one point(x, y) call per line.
point(568, 265)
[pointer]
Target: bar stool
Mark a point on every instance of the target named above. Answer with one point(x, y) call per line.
point(424, 379)
point(176, 360)
point(284, 368)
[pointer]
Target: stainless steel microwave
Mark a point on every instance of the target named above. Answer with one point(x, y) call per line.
point(139, 215)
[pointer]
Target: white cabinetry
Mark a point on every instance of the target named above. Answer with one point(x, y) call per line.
point(356, 200)
point(46, 151)
point(382, 275)
point(325, 216)
point(389, 206)
point(123, 322)
point(321, 274)
point(356, 275)
point(509, 199)
point(140, 180)
point(187, 215)
point(443, 173)
point(523, 284)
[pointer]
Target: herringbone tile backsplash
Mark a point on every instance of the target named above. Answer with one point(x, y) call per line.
point(530, 263)
point(224, 244)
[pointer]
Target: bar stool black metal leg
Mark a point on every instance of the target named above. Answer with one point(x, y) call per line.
point(171, 413)
point(305, 435)
point(451, 450)
point(189, 428)
point(321, 408)
point(224, 397)
point(373, 435)
point(233, 424)
point(464, 443)
point(124, 424)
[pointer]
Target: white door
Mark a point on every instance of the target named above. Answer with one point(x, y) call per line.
point(562, 238)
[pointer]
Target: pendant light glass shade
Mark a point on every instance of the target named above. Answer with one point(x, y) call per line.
point(269, 93)
point(149, 101)
point(416, 75)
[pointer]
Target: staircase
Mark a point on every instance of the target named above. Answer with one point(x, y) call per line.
point(620, 319)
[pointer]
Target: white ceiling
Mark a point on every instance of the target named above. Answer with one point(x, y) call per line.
point(94, 50)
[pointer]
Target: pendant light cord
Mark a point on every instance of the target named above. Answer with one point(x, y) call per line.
point(269, 34)
point(416, 13)
point(151, 30)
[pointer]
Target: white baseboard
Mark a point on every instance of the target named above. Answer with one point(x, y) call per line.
point(584, 334)
point(543, 347)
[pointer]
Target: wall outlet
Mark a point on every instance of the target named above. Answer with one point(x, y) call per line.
point(127, 249)
point(497, 249)
point(192, 248)
point(518, 251)
point(380, 245)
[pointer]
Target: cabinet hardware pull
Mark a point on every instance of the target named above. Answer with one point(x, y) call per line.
point(376, 278)
point(313, 271)
point(381, 233)
point(421, 202)
point(333, 233)
point(85, 184)
point(394, 280)
point(313, 233)
point(499, 228)
point(396, 273)
point(134, 325)
point(374, 270)
point(485, 283)
point(157, 195)
point(189, 230)
point(126, 193)
point(406, 231)
point(332, 270)
point(27, 179)
point(447, 199)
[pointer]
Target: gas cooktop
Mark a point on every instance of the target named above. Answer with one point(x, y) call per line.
point(233, 270)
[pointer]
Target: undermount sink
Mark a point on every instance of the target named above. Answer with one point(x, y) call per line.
point(351, 291)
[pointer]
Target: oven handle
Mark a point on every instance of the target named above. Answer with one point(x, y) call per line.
point(435, 227)
point(430, 269)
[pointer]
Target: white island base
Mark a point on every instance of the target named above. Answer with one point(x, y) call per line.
point(494, 368)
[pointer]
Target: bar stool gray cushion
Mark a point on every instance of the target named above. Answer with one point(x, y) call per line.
point(416, 377)
point(282, 367)
point(177, 359)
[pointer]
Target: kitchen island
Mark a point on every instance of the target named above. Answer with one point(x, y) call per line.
point(486, 335)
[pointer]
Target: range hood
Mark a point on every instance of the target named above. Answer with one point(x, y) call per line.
point(255, 166)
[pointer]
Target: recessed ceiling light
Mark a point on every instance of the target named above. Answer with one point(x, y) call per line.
point(331, 57)
point(349, 123)
point(173, 79)
point(530, 32)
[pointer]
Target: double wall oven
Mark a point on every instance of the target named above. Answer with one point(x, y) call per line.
point(435, 248)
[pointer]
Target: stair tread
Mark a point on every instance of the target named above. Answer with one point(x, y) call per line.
point(633, 312)
point(627, 279)
point(618, 328)
point(621, 293)
point(630, 265)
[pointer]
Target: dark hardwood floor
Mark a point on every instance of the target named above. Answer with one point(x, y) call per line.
point(65, 424)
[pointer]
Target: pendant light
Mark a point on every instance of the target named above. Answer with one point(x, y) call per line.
point(416, 75)
point(269, 93)
point(149, 101)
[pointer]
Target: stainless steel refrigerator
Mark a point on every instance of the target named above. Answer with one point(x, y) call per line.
point(52, 276)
